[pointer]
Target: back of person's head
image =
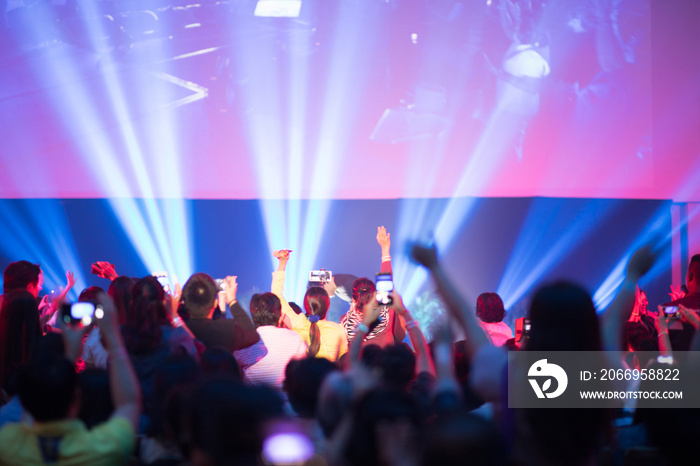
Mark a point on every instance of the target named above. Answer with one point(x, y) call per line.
point(219, 361)
point(199, 294)
point(91, 294)
point(693, 277)
point(47, 387)
point(457, 435)
point(141, 330)
point(397, 365)
point(20, 330)
point(120, 290)
point(382, 413)
point(19, 275)
point(634, 335)
point(489, 308)
point(265, 309)
point(178, 370)
point(363, 291)
point(226, 419)
point(95, 397)
point(335, 397)
point(563, 318)
point(303, 379)
point(316, 304)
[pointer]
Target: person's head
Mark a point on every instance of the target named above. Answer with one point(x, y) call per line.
point(635, 333)
point(199, 295)
point(142, 332)
point(54, 373)
point(265, 309)
point(693, 277)
point(397, 365)
point(303, 379)
point(489, 308)
point(457, 435)
point(219, 361)
point(363, 291)
point(91, 295)
point(563, 318)
point(225, 421)
point(120, 290)
point(23, 275)
point(20, 330)
point(316, 303)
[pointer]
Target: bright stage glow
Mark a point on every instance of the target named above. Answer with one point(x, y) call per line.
point(278, 8)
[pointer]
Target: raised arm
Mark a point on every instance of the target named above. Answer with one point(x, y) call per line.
point(124, 386)
point(60, 299)
point(424, 362)
point(460, 309)
point(620, 309)
point(289, 317)
point(384, 240)
point(245, 333)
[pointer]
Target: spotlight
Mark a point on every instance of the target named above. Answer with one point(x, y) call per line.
point(278, 8)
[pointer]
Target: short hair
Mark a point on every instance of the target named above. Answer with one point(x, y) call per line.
point(20, 274)
point(489, 308)
point(47, 371)
point(302, 383)
point(199, 294)
point(265, 309)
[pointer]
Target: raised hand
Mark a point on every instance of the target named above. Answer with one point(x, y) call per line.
point(424, 255)
point(640, 262)
point(397, 304)
point(231, 289)
point(70, 280)
point(383, 238)
point(690, 316)
point(104, 269)
point(676, 293)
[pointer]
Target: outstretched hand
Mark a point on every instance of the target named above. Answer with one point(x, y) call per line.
point(640, 262)
point(104, 269)
point(231, 288)
point(383, 238)
point(676, 293)
point(690, 316)
point(424, 255)
point(397, 304)
point(282, 254)
point(660, 322)
point(70, 280)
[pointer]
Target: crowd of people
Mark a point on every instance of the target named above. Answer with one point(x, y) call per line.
point(138, 375)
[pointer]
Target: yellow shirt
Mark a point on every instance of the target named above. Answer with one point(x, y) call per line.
point(334, 341)
point(109, 443)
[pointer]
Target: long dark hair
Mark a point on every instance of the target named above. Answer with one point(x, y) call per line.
point(20, 330)
point(141, 330)
point(316, 303)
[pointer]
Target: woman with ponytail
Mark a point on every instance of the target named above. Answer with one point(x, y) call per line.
point(325, 339)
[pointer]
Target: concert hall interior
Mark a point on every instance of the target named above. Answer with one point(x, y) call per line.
point(528, 140)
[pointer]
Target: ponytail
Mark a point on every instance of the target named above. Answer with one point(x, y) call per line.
point(316, 303)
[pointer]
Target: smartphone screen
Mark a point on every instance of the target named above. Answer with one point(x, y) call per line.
point(384, 286)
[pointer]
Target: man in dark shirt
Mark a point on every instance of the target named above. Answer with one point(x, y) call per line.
point(200, 298)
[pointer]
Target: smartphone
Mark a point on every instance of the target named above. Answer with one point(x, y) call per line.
point(162, 278)
point(668, 310)
point(80, 313)
point(320, 276)
point(221, 283)
point(384, 286)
